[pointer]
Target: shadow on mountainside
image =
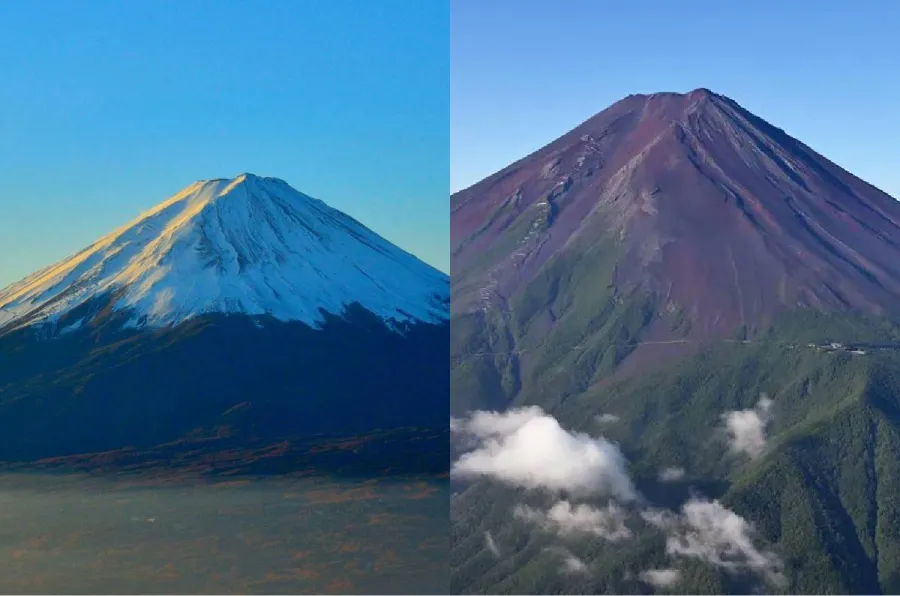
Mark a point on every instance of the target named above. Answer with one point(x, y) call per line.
point(227, 394)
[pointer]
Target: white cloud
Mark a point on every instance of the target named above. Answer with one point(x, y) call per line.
point(527, 448)
point(491, 545)
point(571, 563)
point(671, 474)
point(708, 531)
point(565, 519)
point(661, 578)
point(659, 518)
point(483, 423)
point(606, 418)
point(747, 428)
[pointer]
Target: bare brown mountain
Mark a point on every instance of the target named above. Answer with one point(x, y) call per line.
point(720, 215)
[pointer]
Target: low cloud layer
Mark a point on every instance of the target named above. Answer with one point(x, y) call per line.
point(606, 418)
point(747, 428)
point(660, 578)
point(570, 563)
point(526, 447)
point(566, 520)
point(708, 531)
point(671, 474)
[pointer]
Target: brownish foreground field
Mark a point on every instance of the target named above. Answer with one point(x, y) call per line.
point(81, 534)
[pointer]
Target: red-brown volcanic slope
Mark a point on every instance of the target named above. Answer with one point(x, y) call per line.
point(719, 212)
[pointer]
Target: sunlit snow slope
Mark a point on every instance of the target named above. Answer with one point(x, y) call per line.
point(246, 245)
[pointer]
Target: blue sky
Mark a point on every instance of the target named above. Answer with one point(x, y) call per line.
point(109, 107)
point(524, 72)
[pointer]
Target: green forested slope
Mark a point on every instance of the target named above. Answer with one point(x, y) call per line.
point(825, 495)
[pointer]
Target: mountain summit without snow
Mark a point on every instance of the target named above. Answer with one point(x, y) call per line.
point(719, 214)
point(663, 221)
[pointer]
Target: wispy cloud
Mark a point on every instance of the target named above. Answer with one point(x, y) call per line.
point(747, 428)
point(671, 474)
point(566, 519)
point(454, 424)
point(491, 545)
point(660, 578)
point(528, 448)
point(606, 418)
point(571, 563)
point(708, 531)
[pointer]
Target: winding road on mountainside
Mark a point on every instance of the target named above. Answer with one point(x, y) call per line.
point(852, 348)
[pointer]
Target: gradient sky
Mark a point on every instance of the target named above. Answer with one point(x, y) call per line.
point(524, 72)
point(109, 107)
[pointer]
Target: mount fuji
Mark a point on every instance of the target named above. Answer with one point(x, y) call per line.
point(236, 313)
point(667, 279)
point(247, 245)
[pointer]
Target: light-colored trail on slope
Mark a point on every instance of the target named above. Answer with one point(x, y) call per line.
point(846, 348)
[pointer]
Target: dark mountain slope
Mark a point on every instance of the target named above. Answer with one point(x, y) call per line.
point(98, 390)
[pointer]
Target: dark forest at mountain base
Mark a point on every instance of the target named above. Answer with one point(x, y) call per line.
point(231, 377)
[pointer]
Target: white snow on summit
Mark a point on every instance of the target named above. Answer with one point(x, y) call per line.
point(246, 245)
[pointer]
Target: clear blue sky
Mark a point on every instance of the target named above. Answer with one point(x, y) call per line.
point(524, 72)
point(108, 107)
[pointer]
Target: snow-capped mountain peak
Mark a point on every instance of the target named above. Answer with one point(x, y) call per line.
point(248, 245)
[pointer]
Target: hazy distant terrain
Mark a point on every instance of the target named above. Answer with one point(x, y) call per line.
point(85, 535)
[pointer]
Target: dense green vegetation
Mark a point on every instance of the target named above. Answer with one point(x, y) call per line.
point(566, 330)
point(825, 495)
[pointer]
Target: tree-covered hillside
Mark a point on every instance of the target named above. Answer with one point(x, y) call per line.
point(820, 493)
